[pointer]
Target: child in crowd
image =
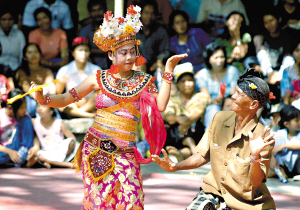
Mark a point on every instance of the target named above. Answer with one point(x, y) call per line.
point(55, 150)
point(274, 116)
point(16, 132)
point(287, 144)
point(5, 88)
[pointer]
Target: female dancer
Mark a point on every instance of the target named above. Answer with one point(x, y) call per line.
point(110, 161)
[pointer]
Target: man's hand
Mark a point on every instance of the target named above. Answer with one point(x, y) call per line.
point(257, 145)
point(14, 156)
point(166, 164)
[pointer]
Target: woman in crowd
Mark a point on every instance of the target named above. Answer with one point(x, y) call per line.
point(73, 74)
point(107, 155)
point(187, 40)
point(52, 41)
point(32, 70)
point(238, 42)
point(217, 80)
point(184, 114)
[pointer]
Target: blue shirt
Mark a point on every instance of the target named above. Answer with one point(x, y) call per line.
point(61, 15)
point(203, 79)
point(286, 157)
point(197, 40)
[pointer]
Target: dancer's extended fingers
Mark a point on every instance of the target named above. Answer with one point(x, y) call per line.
point(156, 159)
point(165, 154)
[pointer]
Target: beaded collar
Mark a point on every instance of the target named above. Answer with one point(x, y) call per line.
point(123, 90)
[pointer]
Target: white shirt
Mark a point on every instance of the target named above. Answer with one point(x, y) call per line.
point(12, 48)
point(73, 77)
point(61, 14)
point(214, 7)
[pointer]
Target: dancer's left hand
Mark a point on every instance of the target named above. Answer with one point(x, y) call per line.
point(173, 61)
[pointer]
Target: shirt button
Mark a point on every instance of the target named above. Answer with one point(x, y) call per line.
point(222, 179)
point(224, 192)
point(228, 148)
point(188, 50)
point(225, 164)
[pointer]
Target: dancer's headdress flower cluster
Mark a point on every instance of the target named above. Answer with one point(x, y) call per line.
point(117, 32)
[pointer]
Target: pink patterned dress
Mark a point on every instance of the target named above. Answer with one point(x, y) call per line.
point(112, 134)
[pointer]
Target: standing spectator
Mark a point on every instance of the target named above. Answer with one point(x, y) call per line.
point(154, 37)
point(184, 114)
point(32, 70)
point(238, 42)
point(187, 40)
point(16, 132)
point(216, 74)
point(273, 48)
point(52, 41)
point(12, 42)
point(164, 10)
point(60, 18)
point(73, 74)
point(213, 13)
point(96, 10)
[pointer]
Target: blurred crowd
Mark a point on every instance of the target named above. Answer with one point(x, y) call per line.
point(51, 42)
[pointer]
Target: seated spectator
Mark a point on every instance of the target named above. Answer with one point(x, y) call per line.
point(72, 75)
point(52, 41)
point(96, 10)
point(217, 80)
point(16, 132)
point(289, 74)
point(60, 18)
point(238, 42)
point(55, 150)
point(12, 42)
point(289, 13)
point(154, 38)
point(273, 48)
point(164, 8)
point(184, 114)
point(226, 103)
point(213, 13)
point(187, 40)
point(274, 116)
point(287, 144)
point(5, 88)
point(32, 70)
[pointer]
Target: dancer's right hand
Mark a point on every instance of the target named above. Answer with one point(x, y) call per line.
point(166, 164)
point(37, 95)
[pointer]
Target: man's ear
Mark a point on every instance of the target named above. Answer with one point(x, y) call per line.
point(110, 55)
point(255, 104)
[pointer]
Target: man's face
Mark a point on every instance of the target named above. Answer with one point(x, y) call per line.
point(97, 13)
point(270, 23)
point(241, 101)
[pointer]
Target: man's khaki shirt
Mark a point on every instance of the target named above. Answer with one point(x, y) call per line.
point(230, 163)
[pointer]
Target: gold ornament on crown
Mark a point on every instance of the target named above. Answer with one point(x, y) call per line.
point(117, 32)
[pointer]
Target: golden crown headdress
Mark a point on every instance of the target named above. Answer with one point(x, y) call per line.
point(117, 32)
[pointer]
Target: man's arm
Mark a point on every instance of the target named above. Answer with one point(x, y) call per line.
point(192, 162)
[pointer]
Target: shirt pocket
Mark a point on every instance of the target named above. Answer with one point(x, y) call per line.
point(239, 170)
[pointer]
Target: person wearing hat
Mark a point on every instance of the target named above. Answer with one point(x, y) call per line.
point(108, 156)
point(184, 114)
point(238, 148)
